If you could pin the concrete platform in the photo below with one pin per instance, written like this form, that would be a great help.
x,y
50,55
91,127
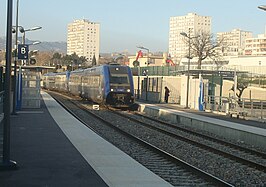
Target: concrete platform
x,y
239,130
44,155
52,148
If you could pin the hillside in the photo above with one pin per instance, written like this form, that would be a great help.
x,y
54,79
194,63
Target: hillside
x,y
60,47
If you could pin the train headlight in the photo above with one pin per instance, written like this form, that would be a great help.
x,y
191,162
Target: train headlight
x,y
128,90
112,89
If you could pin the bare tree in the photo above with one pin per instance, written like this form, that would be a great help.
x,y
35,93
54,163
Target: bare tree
x,y
219,61
43,58
241,86
205,45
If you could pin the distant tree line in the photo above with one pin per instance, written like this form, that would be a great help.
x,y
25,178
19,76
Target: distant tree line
x,y
65,60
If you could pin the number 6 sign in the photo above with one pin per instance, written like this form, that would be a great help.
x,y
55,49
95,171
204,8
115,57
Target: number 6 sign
x,y
23,51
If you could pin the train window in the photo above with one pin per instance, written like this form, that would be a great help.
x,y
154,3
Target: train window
x,y
96,81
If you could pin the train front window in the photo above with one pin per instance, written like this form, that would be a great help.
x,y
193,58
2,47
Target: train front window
x,y
119,79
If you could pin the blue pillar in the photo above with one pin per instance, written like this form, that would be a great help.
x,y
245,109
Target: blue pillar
x,y
201,95
19,90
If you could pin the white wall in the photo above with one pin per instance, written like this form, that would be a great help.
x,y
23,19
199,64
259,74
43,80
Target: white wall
x,y
249,92
178,88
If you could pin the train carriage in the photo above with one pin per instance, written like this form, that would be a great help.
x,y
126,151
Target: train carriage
x,y
92,84
61,82
119,88
106,84
75,82
109,84
49,81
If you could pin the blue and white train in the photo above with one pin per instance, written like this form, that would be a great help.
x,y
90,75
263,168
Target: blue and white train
x,y
107,84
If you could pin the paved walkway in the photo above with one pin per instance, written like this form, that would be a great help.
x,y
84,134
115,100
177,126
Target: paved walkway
x,y
44,154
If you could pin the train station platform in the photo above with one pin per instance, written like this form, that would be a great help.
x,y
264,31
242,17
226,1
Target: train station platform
x,y
241,130
52,148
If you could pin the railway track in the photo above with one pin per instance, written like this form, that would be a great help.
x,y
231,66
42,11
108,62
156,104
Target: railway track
x,y
166,165
231,156
229,150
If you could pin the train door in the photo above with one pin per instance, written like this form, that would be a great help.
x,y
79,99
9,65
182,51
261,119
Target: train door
x,y
101,87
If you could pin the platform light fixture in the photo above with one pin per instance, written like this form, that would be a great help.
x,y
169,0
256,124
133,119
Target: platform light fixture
x,y
148,52
262,7
189,58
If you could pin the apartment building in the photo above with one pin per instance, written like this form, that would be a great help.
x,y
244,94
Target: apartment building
x,y
83,38
233,42
256,46
190,24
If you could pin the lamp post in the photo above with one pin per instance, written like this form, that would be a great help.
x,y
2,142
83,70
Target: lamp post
x,y
148,52
147,78
189,57
6,162
262,7
15,63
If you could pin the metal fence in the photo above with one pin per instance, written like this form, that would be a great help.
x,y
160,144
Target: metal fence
x,y
158,70
244,107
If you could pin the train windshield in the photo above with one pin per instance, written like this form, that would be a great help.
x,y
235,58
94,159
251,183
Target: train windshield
x,y
118,75
119,79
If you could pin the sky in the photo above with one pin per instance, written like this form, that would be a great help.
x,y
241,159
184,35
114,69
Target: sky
x,y
125,24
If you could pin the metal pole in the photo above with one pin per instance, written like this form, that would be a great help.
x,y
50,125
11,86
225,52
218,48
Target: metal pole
x,y
7,163
221,90
147,78
148,57
212,92
23,62
15,65
23,37
235,84
188,68
19,91
138,81
146,89
19,84
148,51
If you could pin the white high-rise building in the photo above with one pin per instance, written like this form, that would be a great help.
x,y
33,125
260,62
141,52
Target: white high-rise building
x,y
190,24
234,41
83,38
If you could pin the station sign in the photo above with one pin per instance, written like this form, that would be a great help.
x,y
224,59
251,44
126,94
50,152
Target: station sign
x,y
23,51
